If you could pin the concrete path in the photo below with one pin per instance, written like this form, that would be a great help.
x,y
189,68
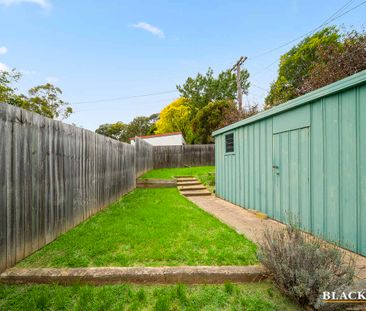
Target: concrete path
x,y
136,275
252,225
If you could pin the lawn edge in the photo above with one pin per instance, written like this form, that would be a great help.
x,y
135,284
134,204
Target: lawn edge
x,y
136,275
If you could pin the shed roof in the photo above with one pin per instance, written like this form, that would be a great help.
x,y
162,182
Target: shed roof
x,y
335,87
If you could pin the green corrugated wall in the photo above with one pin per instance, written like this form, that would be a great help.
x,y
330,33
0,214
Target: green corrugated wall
x,y
303,161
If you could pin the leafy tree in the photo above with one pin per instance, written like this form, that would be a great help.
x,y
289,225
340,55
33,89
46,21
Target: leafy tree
x,y
42,99
215,115
203,89
7,91
116,131
336,62
296,65
176,117
139,126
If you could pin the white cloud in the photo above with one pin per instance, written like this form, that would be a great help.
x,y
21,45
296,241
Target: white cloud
x,y
52,80
45,4
150,28
3,50
3,67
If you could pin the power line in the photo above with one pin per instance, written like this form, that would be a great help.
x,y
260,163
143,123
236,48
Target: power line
x,y
121,98
338,14
148,103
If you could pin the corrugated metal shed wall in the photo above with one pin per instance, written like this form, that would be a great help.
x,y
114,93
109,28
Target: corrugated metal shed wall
x,y
307,164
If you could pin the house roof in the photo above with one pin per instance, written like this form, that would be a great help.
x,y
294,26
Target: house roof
x,y
351,81
158,135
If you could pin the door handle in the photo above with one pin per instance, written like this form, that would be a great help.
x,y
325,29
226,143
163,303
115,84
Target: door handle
x,y
275,167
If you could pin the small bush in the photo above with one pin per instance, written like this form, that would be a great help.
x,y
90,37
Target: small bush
x,y
302,266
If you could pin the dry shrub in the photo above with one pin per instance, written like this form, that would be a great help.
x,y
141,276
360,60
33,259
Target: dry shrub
x,y
302,266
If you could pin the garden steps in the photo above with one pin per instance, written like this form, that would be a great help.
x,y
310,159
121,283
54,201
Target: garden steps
x,y
196,193
188,183
191,187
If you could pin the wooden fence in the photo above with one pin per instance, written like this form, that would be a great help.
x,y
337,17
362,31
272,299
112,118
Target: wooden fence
x,y
52,177
144,158
186,155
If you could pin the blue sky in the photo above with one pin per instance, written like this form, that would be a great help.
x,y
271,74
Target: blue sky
x,y
110,49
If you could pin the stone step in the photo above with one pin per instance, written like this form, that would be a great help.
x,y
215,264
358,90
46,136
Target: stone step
x,y
188,183
193,187
196,193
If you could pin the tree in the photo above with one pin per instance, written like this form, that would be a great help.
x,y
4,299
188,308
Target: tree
x,y
336,62
139,126
42,99
116,130
215,115
296,65
176,117
7,91
203,89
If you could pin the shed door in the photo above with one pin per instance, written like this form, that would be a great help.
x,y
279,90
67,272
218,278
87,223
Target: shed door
x,y
291,177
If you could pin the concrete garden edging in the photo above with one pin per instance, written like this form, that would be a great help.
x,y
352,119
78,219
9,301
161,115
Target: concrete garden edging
x,y
136,275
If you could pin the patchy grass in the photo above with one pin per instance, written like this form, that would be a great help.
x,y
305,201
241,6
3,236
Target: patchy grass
x,y
147,227
251,297
169,173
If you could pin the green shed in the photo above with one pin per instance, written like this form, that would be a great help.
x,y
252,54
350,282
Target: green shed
x,y
304,160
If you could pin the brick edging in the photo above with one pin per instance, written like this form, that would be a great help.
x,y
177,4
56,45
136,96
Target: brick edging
x,y
136,275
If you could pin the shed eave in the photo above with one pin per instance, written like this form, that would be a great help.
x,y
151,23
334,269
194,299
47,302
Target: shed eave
x,y
335,87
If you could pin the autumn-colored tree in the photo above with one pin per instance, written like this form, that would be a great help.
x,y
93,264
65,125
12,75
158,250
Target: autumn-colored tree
x,y
176,117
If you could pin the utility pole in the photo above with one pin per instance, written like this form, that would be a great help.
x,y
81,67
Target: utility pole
x,y
241,60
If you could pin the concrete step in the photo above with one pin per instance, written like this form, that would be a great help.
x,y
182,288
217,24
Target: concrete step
x,y
193,187
188,183
196,193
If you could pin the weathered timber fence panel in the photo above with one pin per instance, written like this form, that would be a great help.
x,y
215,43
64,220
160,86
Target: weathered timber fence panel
x,y
144,156
52,177
186,155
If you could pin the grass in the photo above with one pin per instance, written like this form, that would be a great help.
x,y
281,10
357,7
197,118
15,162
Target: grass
x,y
251,297
169,173
147,227
205,174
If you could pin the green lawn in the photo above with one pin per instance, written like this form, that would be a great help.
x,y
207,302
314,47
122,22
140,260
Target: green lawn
x,y
147,227
250,297
203,173
169,173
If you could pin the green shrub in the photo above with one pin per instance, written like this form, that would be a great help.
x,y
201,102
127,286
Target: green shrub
x,y
303,266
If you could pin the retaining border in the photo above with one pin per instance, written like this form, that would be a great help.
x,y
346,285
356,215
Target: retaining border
x,y
136,275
